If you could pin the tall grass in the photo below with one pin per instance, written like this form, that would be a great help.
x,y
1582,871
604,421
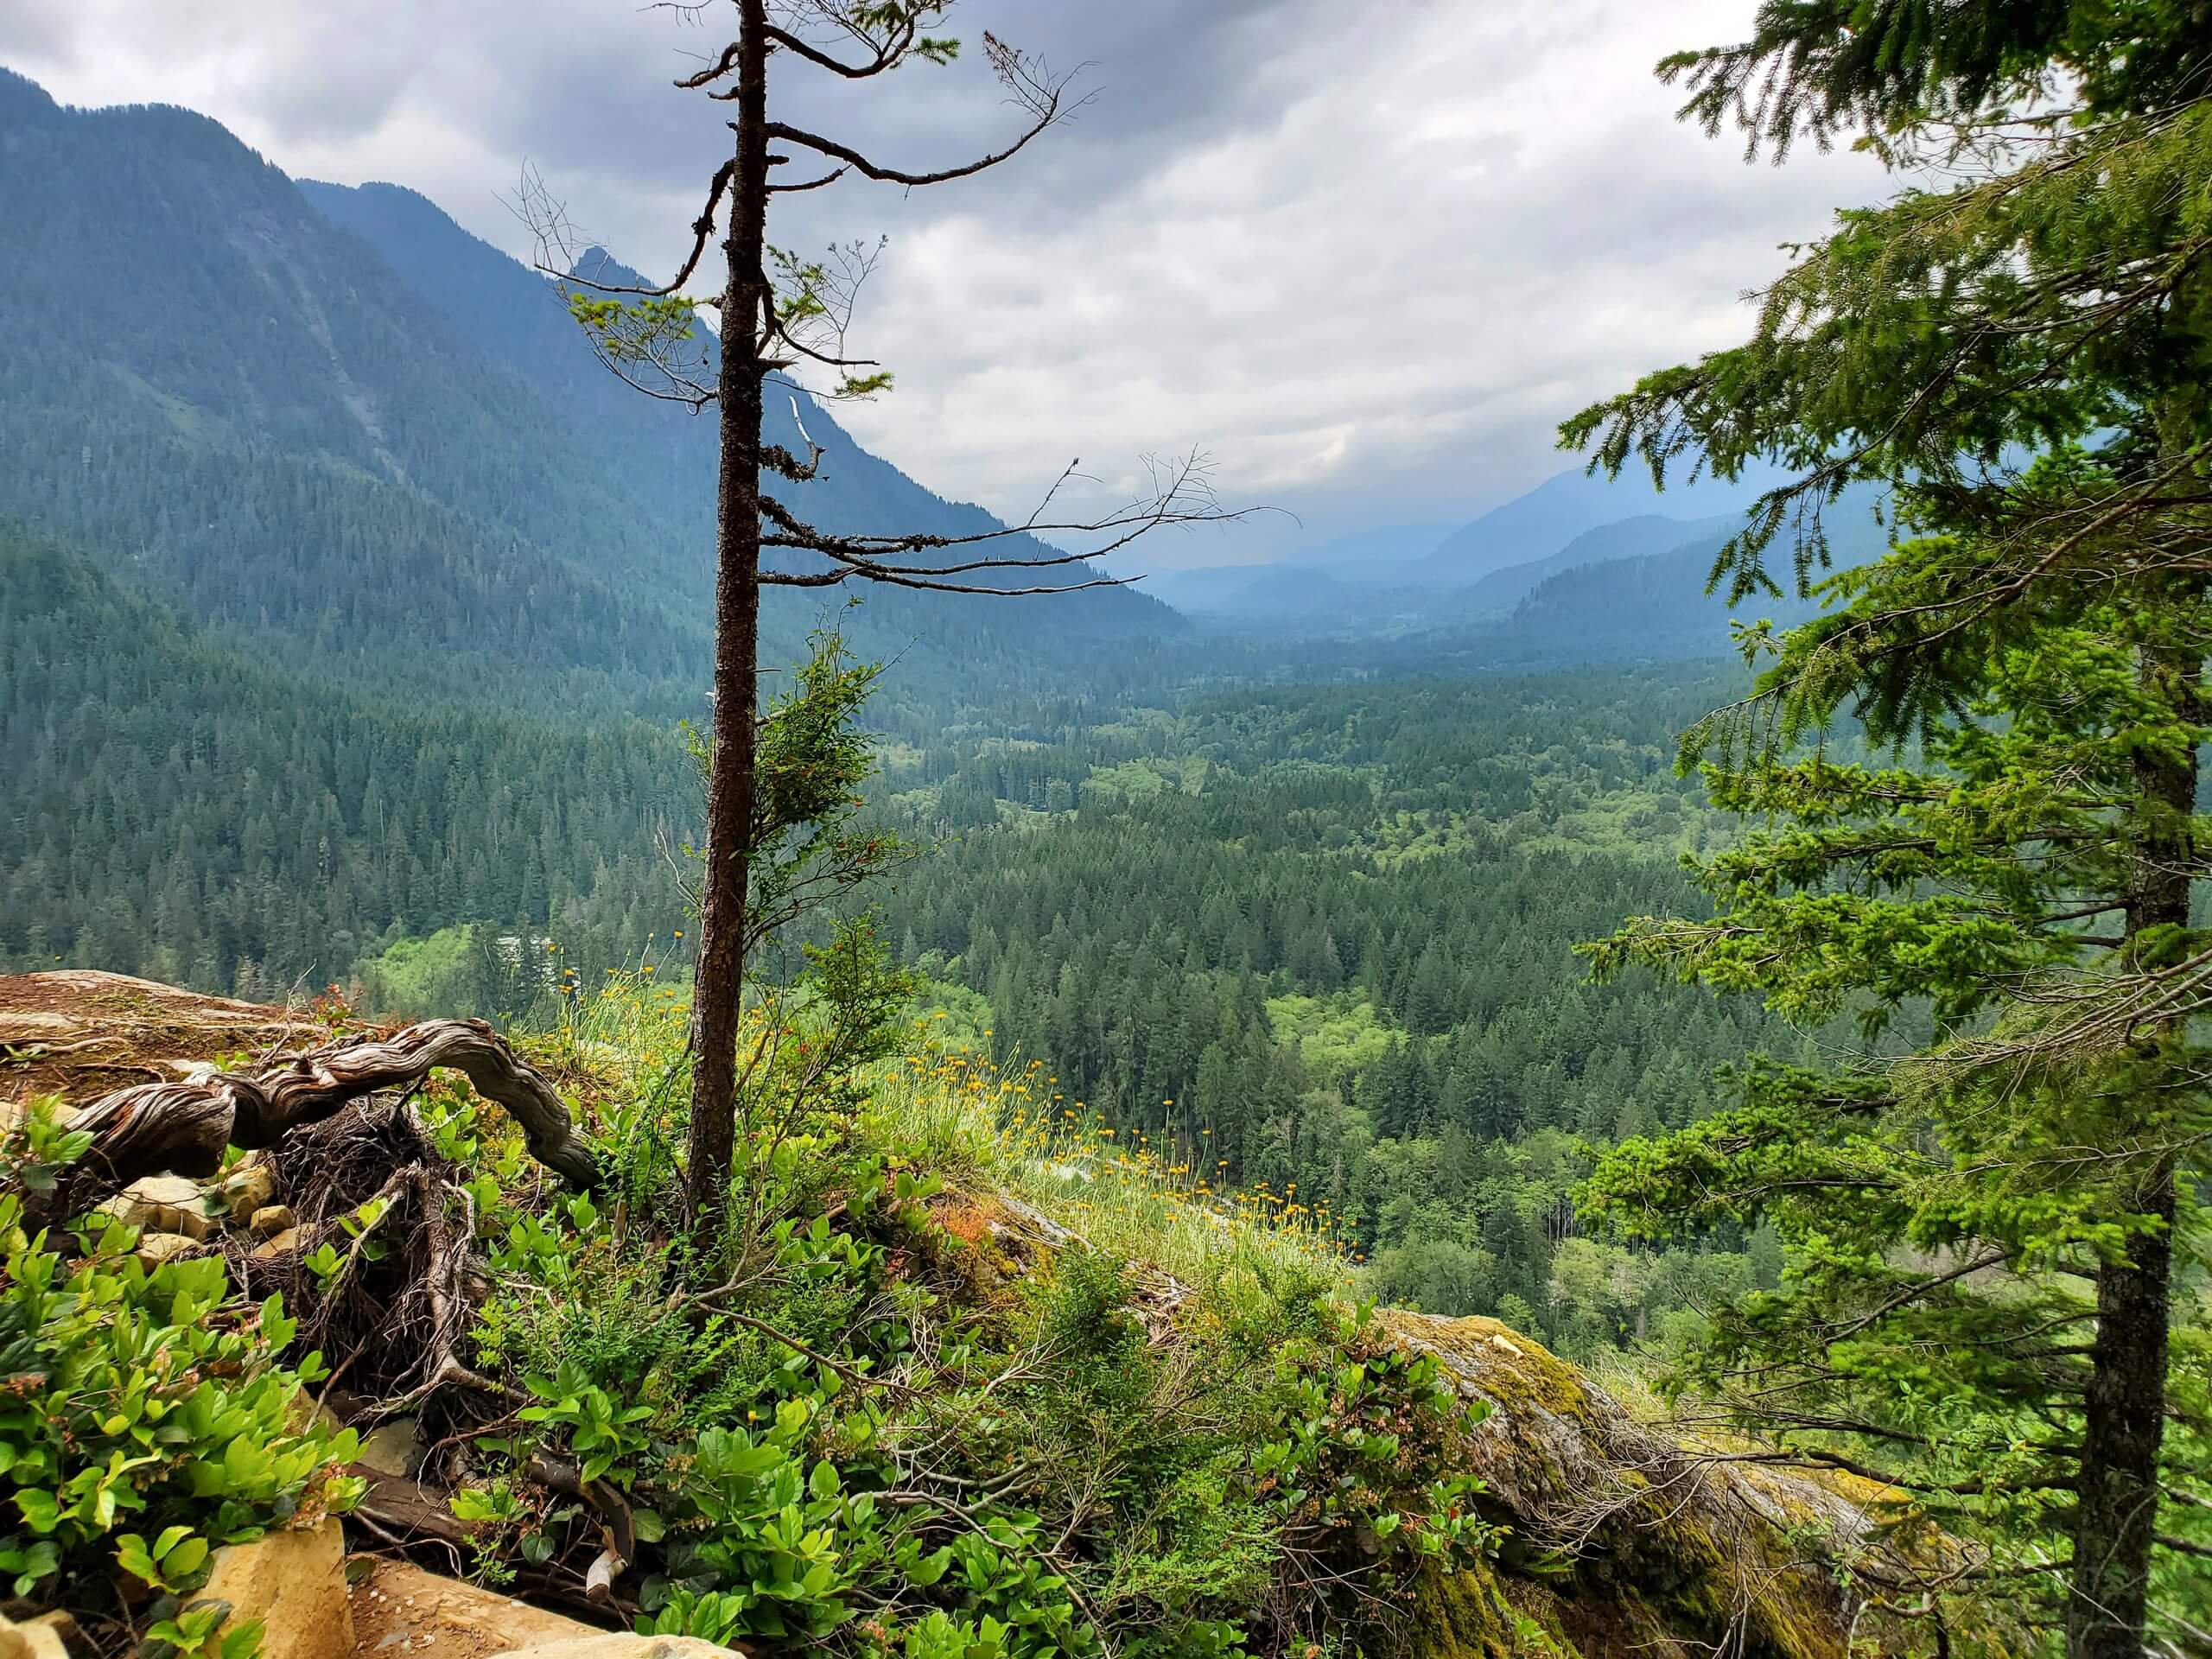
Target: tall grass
x,y
957,1111
950,1109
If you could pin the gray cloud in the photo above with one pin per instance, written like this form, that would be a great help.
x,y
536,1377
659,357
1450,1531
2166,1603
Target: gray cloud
x,y
1367,257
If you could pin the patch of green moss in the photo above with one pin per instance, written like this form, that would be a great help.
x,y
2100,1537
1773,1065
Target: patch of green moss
x,y
1513,1370
1699,1583
1473,1615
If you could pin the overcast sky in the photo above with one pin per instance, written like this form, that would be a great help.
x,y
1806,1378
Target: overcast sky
x,y
1366,256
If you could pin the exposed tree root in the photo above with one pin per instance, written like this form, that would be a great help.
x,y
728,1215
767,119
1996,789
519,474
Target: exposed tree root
x,y
393,1319
184,1127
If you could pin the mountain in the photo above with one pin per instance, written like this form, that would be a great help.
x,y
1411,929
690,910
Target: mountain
x,y
1645,533
1292,591
1654,607
1425,593
239,407
666,454
1482,569
334,428
1544,520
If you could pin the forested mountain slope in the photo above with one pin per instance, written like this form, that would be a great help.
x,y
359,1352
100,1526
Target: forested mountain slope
x,y
177,810
221,398
666,455
226,397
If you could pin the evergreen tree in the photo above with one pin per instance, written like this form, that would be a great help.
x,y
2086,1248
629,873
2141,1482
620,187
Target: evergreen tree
x,y
2014,347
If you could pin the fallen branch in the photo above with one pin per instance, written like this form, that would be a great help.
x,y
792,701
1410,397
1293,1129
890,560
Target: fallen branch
x,y
398,1508
184,1127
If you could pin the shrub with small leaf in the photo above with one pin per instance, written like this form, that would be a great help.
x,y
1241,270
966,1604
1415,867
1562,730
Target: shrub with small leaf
x,y
144,1421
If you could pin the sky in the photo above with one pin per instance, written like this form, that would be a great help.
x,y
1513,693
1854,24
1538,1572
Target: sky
x,y
1365,258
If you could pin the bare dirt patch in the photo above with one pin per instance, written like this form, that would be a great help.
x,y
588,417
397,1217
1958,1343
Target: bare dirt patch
x,y
80,1034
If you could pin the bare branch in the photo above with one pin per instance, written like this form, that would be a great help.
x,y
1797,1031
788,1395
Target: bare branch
x,y
1182,495
557,254
891,577
830,177
887,56
1029,85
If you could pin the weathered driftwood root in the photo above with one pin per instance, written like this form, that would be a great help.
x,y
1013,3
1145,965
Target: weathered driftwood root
x,y
184,1127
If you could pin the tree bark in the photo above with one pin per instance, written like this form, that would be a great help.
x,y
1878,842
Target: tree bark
x,y
157,1127
2116,1512
718,993
2124,1412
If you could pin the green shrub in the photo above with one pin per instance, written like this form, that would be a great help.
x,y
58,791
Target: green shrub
x,y
144,1419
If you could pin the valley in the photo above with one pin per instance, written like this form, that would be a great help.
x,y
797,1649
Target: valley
x,y
1583,1057
1289,897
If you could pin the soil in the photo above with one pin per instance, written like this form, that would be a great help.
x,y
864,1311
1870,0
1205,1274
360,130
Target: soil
x,y
80,1034
399,1608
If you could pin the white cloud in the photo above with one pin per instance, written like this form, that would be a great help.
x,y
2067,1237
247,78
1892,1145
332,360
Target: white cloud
x,y
1368,264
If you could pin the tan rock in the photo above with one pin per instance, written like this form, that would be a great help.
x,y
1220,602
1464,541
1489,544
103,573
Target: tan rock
x,y
165,1204
154,1249
393,1448
399,1608
290,1240
63,1624
249,1187
40,1638
272,1219
295,1582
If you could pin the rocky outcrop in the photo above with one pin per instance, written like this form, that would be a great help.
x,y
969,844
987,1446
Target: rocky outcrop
x,y
80,1034
398,1608
293,1581
1626,1539
1623,1539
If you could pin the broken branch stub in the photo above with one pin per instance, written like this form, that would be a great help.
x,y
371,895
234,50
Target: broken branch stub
x,y
184,1127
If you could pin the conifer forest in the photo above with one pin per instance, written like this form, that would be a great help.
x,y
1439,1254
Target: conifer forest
x,y
1538,984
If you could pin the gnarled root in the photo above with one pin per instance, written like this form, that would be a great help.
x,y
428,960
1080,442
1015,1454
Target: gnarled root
x,y
184,1127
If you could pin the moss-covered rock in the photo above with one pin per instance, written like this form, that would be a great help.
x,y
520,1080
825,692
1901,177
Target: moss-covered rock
x,y
1622,1542
1625,1540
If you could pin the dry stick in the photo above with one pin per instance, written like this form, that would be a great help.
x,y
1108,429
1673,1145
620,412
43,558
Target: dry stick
x,y
859,1379
186,1126
618,1528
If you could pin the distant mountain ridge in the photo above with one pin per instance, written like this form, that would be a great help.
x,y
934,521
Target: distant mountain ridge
x,y
1630,590
1638,536
1420,591
1652,605
1485,567
1539,523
